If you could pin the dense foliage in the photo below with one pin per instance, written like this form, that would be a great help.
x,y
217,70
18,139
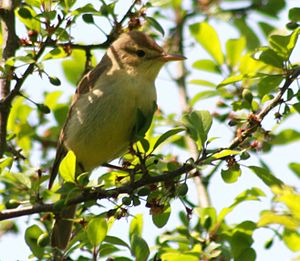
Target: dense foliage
x,y
245,80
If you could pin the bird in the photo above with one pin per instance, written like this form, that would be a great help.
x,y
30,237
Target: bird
x,y
104,116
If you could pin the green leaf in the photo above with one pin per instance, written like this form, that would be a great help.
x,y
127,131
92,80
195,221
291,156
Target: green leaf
x,y
269,56
208,217
107,249
167,135
283,45
139,248
249,194
88,8
155,24
269,218
161,219
54,80
24,12
32,234
225,153
286,136
198,124
294,14
207,65
230,80
203,83
88,18
35,3
231,174
116,241
136,226
252,40
43,108
73,67
5,163
248,254
97,230
266,28
234,49
27,15
266,176
202,95
67,167
269,84
291,239
177,256
56,53
295,167
206,35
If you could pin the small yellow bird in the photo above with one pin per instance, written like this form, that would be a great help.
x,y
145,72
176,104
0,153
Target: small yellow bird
x,y
103,117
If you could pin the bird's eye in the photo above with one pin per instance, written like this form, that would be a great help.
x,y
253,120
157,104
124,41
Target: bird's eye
x,y
140,53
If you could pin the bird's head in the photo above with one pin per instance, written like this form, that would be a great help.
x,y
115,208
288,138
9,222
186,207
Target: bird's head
x,y
138,53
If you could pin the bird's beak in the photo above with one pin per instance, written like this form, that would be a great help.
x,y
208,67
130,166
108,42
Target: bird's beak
x,y
172,57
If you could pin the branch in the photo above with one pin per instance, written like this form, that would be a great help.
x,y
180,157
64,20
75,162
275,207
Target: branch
x,y
8,96
10,45
252,125
203,196
94,194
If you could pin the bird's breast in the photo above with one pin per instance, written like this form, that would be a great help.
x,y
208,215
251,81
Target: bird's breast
x,y
102,121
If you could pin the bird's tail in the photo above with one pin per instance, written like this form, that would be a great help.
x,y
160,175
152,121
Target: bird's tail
x,y
62,229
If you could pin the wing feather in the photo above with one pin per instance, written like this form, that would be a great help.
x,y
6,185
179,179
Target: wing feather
x,y
86,85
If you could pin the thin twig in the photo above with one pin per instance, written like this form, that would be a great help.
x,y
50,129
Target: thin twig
x,y
203,196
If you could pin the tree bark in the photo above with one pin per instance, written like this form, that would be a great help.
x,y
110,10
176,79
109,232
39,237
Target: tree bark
x,y
9,47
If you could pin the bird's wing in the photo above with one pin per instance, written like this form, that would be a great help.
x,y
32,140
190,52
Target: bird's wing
x,y
86,84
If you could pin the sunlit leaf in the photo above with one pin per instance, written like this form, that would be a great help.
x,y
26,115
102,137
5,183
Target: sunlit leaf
x,y
206,35
27,15
178,256
136,226
230,80
234,49
203,83
74,66
207,65
5,163
225,153
96,230
270,218
55,53
283,45
291,239
67,167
